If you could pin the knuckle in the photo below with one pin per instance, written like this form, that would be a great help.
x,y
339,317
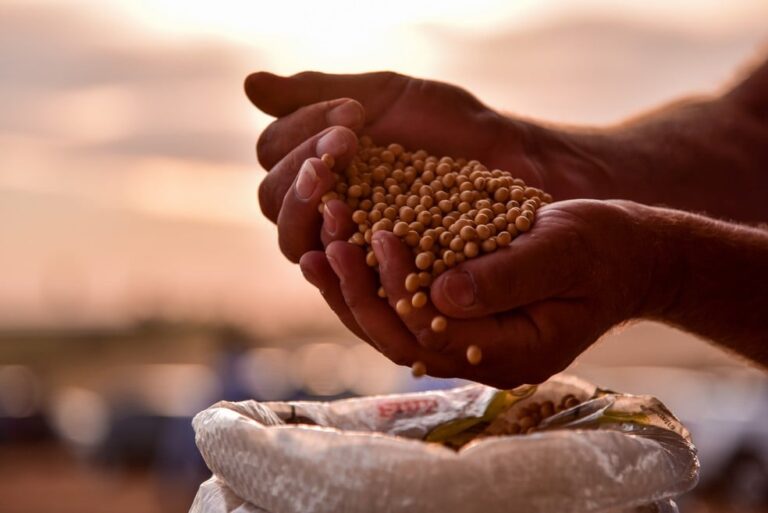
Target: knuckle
x,y
288,248
424,337
493,289
342,131
326,106
394,84
428,87
428,339
267,201
306,75
444,93
326,238
353,301
389,76
264,145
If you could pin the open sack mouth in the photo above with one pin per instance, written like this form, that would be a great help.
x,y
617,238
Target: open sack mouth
x,y
508,413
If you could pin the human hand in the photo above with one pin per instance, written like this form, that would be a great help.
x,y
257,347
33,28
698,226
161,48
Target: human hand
x,y
319,113
531,308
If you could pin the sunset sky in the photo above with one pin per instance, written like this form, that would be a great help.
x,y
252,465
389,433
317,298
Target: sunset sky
x,y
127,172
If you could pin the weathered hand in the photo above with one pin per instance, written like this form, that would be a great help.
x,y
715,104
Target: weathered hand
x,y
531,307
586,265
526,340
319,113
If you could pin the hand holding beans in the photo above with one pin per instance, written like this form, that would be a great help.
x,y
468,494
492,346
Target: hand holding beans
x,y
445,210
523,336
528,309
319,113
521,313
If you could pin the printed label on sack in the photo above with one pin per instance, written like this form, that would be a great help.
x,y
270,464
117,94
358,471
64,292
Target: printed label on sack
x,y
391,409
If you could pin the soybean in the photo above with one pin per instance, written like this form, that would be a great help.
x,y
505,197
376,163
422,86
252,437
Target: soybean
x,y
445,210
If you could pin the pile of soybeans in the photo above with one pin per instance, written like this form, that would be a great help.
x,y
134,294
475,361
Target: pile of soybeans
x,y
509,420
446,210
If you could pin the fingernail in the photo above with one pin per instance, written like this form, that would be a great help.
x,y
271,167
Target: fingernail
x,y
383,251
307,181
460,288
347,114
334,263
332,143
378,250
331,224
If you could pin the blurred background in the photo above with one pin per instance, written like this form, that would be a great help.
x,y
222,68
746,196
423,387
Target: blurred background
x,y
139,282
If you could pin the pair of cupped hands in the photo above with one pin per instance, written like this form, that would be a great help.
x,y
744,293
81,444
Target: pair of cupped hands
x,y
531,307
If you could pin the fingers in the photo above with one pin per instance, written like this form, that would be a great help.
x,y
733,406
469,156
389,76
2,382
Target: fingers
x,y
316,269
337,222
395,264
359,286
504,341
285,133
541,264
508,343
339,142
299,222
278,96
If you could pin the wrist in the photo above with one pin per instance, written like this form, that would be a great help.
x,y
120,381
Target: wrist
x,y
575,164
659,237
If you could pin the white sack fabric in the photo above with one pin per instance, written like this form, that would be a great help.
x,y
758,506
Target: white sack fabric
x,y
611,453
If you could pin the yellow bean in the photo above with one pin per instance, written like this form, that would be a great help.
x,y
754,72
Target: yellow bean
x,y
418,369
438,324
474,355
403,307
419,299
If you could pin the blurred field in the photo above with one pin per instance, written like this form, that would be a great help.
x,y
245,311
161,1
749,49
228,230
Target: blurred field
x,y
140,282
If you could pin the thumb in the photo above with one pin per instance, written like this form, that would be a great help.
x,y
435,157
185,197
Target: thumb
x,y
538,265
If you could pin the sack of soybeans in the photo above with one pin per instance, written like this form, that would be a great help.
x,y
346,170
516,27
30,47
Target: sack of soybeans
x,y
563,446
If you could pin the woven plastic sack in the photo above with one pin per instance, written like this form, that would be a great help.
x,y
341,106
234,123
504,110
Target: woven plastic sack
x,y
612,453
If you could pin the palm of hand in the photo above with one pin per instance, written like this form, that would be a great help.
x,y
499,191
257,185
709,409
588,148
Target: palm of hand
x,y
536,305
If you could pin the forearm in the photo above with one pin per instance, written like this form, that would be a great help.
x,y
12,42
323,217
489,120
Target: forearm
x,y
699,155
711,278
704,156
